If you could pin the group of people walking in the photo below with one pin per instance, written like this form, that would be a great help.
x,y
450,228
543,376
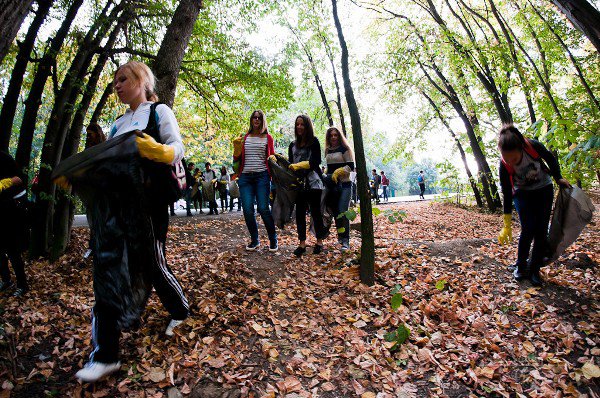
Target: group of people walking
x,y
524,178
252,153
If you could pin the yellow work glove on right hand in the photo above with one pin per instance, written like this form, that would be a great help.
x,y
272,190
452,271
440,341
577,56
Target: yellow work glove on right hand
x,y
6,183
506,233
273,158
300,166
237,147
341,172
150,149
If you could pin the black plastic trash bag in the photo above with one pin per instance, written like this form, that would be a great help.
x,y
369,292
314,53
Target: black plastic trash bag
x,y
573,210
287,185
108,179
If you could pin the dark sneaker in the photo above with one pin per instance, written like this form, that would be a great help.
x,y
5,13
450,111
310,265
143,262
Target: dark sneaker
x,y
535,278
345,245
189,214
273,246
6,285
253,246
318,249
20,292
299,251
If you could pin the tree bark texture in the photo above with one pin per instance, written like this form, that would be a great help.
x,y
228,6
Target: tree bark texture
x,y
367,249
63,210
58,124
12,14
11,99
101,103
584,16
463,156
172,49
34,98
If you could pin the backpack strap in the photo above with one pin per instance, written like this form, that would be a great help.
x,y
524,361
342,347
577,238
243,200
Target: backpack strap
x,y
152,127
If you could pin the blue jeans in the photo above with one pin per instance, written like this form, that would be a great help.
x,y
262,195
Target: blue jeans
x,y
255,187
534,209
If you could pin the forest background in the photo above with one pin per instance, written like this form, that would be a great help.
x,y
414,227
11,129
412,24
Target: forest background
x,y
433,80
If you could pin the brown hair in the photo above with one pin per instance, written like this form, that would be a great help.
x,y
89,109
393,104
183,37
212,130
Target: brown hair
x,y
510,138
263,119
309,131
98,136
343,140
141,74
223,170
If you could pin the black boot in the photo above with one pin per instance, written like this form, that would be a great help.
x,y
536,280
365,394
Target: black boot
x,y
535,276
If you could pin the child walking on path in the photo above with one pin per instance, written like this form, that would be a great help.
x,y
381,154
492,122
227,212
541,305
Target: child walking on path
x,y
526,169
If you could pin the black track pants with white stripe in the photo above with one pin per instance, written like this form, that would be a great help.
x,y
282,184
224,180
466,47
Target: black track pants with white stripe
x,y
165,284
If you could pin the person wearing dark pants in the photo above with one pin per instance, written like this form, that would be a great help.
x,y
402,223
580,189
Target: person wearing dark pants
x,y
209,175
340,163
189,186
526,169
223,184
421,182
250,155
304,154
13,225
134,85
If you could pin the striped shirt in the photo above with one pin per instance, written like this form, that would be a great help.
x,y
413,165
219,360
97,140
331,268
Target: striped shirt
x,y
255,154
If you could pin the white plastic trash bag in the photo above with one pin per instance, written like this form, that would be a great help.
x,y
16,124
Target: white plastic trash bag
x,y
234,190
573,210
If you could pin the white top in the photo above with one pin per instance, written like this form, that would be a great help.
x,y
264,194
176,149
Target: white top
x,y
138,120
255,154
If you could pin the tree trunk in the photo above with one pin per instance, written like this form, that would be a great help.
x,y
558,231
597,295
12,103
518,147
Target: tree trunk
x,y
574,62
34,99
516,63
172,49
63,210
367,249
463,156
337,87
584,16
12,14
11,99
58,124
101,103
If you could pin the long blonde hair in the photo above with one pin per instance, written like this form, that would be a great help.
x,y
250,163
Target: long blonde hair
x,y
142,75
342,139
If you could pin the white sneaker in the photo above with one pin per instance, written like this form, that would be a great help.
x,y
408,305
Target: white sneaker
x,y
172,325
93,371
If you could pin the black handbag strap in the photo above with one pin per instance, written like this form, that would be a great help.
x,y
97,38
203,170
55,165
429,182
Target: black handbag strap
x,y
152,127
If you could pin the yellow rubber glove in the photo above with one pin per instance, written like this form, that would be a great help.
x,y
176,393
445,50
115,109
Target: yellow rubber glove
x,y
341,172
300,166
6,183
150,149
273,158
62,182
237,146
506,233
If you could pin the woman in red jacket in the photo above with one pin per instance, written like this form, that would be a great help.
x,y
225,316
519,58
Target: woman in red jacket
x,y
251,153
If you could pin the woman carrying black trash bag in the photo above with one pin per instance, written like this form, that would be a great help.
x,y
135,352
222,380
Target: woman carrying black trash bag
x,y
304,154
134,85
526,172
13,225
340,163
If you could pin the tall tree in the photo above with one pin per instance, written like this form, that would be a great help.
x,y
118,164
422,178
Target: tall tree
x,y
12,14
34,98
11,99
172,50
367,247
584,16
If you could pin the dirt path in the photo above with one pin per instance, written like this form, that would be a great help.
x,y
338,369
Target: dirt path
x,y
268,325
